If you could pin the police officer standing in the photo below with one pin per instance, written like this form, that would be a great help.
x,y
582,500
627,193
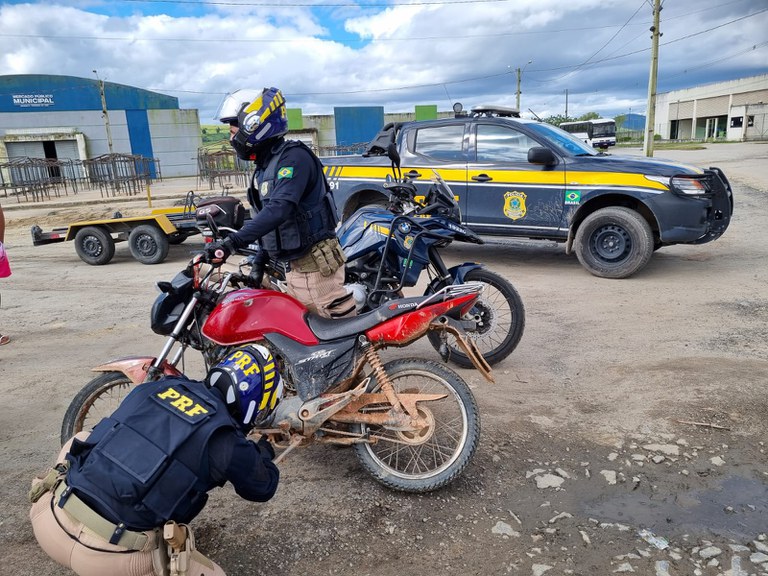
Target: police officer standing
x,y
118,500
294,211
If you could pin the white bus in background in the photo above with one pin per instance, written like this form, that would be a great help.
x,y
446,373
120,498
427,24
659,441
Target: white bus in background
x,y
598,133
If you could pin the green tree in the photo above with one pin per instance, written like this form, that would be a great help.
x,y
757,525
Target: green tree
x,y
558,119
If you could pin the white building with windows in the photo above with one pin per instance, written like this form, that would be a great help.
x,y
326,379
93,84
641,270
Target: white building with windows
x,y
733,110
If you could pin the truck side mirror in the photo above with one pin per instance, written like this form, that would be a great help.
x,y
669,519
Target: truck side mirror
x,y
541,155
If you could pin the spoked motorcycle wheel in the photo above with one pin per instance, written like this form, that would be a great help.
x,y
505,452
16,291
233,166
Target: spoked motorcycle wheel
x,y
426,459
500,320
97,399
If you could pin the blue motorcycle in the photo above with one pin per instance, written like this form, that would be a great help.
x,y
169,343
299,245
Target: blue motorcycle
x,y
388,248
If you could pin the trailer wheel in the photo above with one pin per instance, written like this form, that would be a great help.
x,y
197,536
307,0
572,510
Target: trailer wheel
x,y
94,245
148,244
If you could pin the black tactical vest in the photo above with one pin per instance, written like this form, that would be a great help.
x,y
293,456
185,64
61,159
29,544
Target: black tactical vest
x,y
316,218
148,462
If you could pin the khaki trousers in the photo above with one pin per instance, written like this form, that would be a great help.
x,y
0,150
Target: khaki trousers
x,y
324,295
73,545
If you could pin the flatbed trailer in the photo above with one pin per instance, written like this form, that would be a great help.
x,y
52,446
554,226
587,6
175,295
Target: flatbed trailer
x,y
149,237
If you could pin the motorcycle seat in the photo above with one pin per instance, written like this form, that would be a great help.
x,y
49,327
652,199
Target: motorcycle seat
x,y
336,328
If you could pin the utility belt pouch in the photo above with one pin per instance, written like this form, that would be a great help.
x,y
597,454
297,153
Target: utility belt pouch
x,y
47,484
181,549
325,257
176,538
328,255
320,256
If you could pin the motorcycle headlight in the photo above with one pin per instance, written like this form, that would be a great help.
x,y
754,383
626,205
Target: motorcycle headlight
x,y
169,305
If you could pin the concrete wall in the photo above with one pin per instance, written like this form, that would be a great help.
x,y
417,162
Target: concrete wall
x,y
87,122
176,137
174,134
706,111
748,122
325,127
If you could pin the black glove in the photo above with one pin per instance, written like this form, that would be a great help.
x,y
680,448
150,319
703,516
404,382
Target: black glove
x,y
265,447
218,252
258,262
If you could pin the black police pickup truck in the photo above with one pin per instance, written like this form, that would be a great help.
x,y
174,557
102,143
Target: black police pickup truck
x,y
521,178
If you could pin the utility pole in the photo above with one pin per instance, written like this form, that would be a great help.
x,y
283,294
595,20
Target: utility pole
x,y
519,76
650,117
566,104
104,112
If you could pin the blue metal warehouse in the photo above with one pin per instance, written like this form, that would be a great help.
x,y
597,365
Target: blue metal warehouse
x,y
71,118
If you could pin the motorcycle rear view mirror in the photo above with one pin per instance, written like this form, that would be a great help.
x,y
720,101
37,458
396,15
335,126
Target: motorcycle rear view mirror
x,y
212,225
394,156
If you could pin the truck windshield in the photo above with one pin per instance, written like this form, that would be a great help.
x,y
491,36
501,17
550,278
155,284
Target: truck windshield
x,y
562,140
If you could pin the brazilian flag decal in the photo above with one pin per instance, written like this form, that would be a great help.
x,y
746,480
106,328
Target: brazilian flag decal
x,y
572,197
285,172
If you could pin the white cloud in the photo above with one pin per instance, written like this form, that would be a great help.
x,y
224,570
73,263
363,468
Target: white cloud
x,y
394,57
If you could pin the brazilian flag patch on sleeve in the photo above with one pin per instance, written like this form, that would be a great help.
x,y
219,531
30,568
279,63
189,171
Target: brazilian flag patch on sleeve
x,y
285,172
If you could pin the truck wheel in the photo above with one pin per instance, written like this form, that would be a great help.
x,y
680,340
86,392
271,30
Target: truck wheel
x,y
94,245
148,244
614,242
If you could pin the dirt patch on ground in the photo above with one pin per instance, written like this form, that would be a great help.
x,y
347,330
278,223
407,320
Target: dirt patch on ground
x,y
626,434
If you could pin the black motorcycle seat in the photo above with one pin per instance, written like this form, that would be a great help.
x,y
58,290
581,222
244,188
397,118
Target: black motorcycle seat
x,y
336,328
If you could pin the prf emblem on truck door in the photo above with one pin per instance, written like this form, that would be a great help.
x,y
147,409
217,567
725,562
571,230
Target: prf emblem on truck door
x,y
514,205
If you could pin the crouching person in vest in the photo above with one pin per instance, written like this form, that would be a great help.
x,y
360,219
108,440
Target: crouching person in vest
x,y
119,499
294,213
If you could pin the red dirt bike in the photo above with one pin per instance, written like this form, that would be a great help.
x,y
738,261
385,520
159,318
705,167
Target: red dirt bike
x,y
413,423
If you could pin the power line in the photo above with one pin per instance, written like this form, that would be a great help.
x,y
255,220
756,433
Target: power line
x,y
362,41
664,44
604,45
288,40
711,62
312,4
443,83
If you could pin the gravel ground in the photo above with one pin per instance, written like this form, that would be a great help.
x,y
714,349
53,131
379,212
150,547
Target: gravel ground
x,y
626,434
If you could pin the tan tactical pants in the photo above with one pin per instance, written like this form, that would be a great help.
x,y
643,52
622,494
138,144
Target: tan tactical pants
x,y
73,545
324,295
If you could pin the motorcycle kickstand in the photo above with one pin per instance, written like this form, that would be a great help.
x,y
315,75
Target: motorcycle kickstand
x,y
295,442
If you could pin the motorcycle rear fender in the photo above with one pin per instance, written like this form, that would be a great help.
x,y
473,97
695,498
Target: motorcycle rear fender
x,y
136,367
459,272
404,329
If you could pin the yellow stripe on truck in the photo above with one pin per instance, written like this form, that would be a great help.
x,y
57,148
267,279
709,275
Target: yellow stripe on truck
x,y
510,177
381,172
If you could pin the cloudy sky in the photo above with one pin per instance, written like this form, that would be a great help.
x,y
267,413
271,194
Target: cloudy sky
x,y
391,53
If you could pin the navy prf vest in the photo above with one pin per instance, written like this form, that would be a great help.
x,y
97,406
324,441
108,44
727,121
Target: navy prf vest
x,y
316,218
148,462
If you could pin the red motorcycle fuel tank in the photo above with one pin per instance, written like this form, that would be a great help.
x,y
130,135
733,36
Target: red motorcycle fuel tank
x,y
247,315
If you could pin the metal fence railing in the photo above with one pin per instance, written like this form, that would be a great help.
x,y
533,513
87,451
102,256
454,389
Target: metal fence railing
x,y
221,168
115,174
39,178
